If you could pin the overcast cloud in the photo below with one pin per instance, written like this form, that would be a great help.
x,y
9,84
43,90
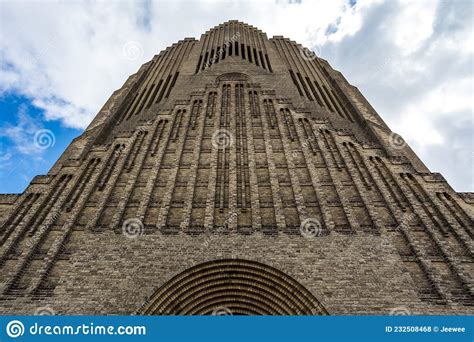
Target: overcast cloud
x,y
412,60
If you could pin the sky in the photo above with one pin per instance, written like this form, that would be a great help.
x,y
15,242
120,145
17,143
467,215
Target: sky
x,y
61,61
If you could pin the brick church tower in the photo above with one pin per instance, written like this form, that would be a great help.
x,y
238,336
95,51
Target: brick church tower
x,y
237,175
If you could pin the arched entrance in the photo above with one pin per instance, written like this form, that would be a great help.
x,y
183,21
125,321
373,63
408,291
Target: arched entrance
x,y
232,286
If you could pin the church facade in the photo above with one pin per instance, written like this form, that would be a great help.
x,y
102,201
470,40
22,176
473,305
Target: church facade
x,y
237,174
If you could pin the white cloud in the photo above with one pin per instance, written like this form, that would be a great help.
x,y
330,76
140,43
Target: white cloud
x,y
414,24
414,64
69,57
67,112
418,118
411,59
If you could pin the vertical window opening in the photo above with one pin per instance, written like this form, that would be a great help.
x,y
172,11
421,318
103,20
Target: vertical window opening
x,y
218,53
255,57
249,54
261,59
198,65
205,61
295,82
268,63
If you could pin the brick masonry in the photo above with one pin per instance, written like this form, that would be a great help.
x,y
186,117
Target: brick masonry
x,y
243,148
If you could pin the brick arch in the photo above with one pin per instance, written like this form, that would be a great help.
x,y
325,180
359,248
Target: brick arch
x,y
241,287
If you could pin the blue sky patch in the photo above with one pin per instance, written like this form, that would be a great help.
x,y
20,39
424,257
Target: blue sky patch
x,y
29,145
